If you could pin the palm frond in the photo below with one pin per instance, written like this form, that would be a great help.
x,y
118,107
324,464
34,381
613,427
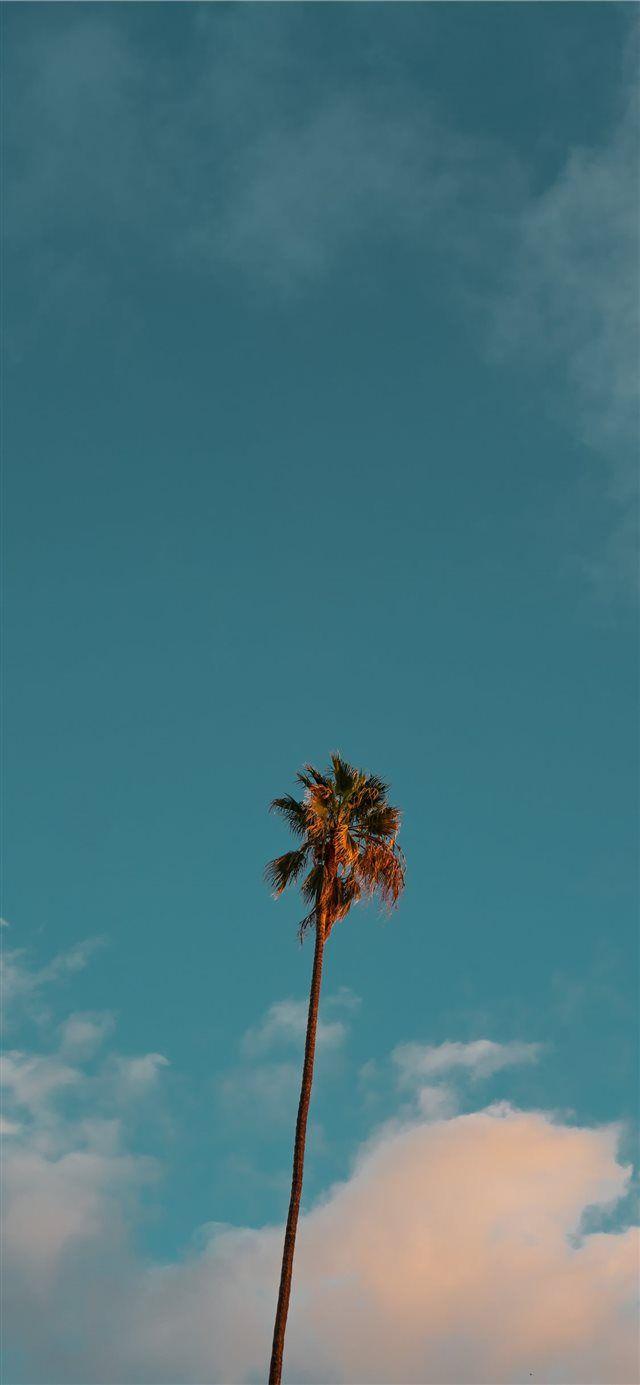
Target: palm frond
x,y
293,812
392,882
307,922
311,887
380,821
318,811
310,776
346,848
381,870
371,793
345,777
347,892
284,870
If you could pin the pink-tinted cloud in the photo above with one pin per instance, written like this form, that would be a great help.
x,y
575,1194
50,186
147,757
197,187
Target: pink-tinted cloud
x,y
449,1255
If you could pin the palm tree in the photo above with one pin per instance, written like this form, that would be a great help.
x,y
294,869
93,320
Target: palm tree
x,y
348,850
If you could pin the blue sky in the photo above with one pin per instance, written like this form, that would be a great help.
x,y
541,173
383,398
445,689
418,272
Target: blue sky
x,y
321,328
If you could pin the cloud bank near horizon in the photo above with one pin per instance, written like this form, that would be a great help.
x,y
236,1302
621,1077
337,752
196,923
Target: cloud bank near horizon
x,y
454,1251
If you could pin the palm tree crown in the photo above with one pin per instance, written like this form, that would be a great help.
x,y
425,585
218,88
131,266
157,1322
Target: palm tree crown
x,y
348,848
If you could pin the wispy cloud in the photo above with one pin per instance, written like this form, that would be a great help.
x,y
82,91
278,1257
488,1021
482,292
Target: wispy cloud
x,y
572,298
437,1102
22,983
285,1024
480,1058
267,1076
59,1102
571,310
139,1074
211,165
232,173
82,1033
32,1081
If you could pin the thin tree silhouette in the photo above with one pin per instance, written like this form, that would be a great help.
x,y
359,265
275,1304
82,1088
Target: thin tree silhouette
x,y
349,851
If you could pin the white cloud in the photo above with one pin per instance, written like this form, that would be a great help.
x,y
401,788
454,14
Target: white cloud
x,y
479,1059
266,1080
53,1204
452,1252
285,1023
8,1127
574,288
437,1102
83,1033
33,1080
74,959
136,1075
571,309
449,1255
21,983
67,1175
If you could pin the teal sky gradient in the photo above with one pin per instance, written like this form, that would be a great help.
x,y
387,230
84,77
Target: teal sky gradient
x,y
305,450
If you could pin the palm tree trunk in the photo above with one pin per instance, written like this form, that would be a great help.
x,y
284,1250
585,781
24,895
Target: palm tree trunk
x,y
275,1370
